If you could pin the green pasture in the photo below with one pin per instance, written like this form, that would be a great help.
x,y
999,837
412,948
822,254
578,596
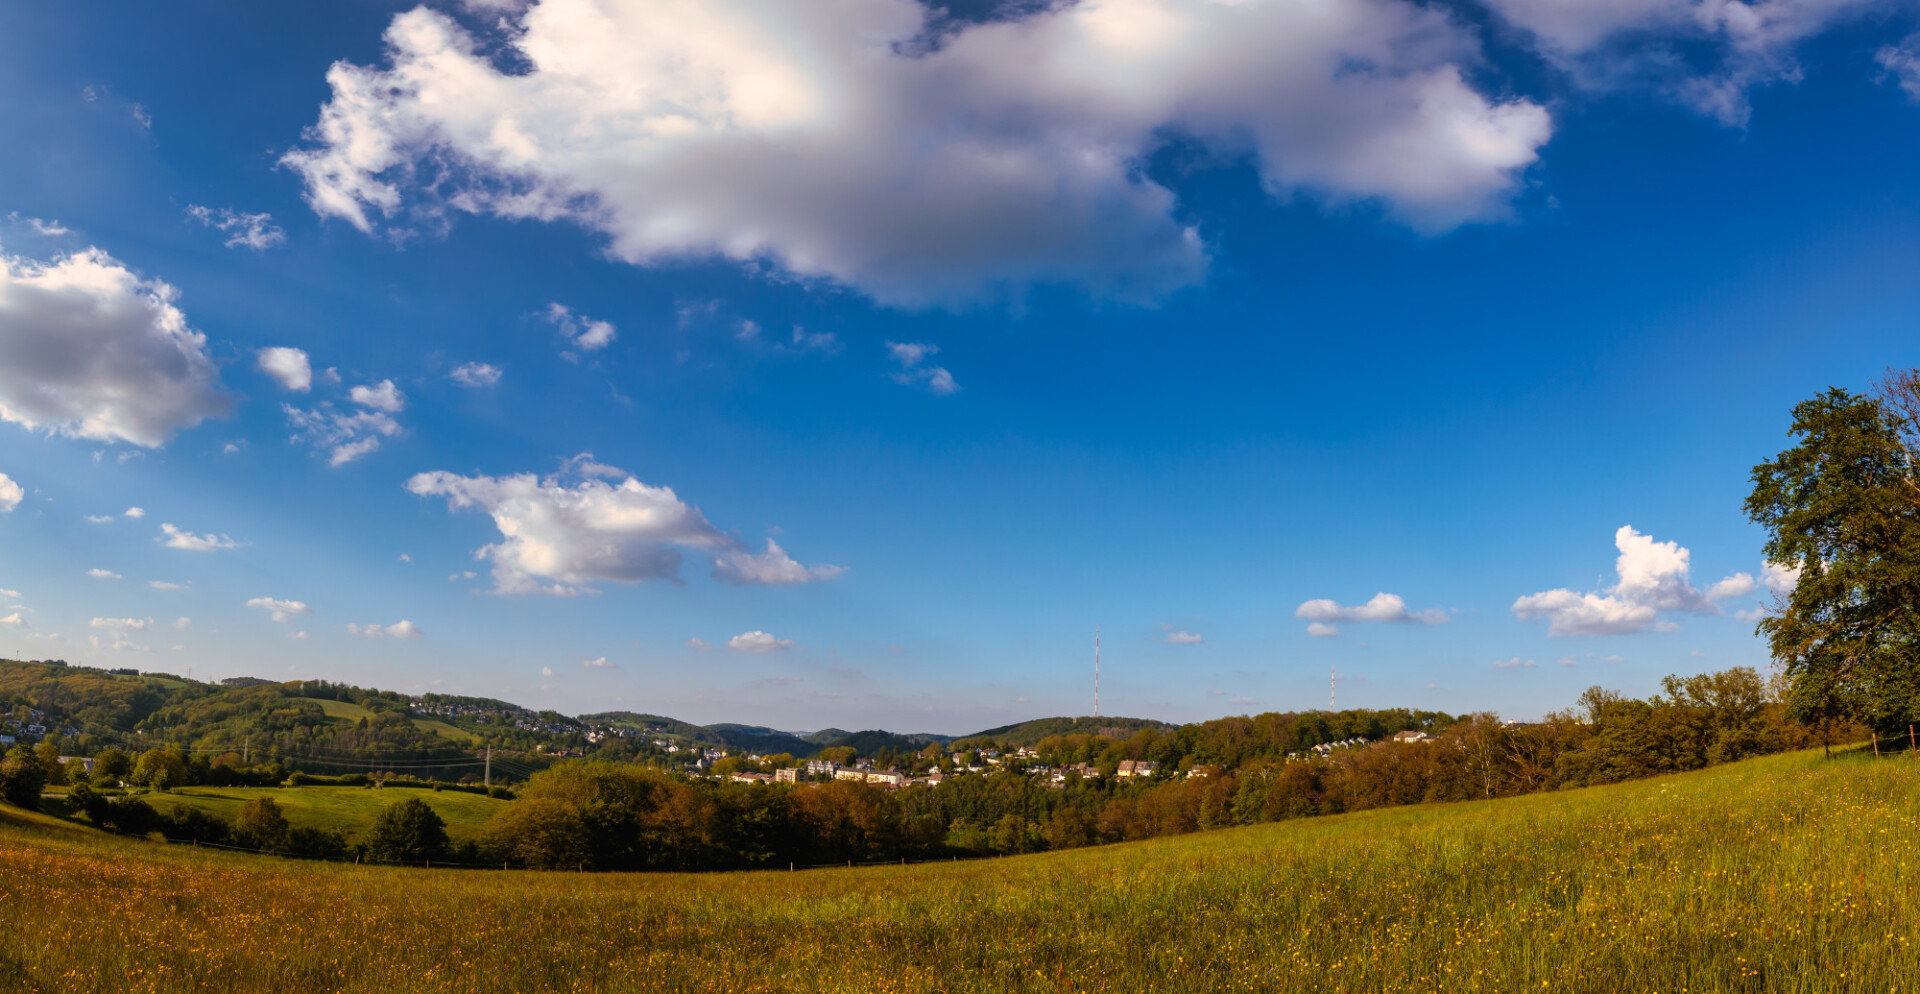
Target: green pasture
x,y
347,809
354,712
1783,874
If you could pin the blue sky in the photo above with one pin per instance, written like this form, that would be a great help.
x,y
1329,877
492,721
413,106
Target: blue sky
x,y
1178,318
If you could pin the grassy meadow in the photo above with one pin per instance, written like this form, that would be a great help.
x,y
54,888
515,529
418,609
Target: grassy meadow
x,y
1787,873
351,810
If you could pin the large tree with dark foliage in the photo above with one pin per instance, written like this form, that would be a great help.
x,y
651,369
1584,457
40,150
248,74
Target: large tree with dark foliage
x,y
1842,506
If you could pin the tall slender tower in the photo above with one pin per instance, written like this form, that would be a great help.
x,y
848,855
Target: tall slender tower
x,y
1333,676
1096,671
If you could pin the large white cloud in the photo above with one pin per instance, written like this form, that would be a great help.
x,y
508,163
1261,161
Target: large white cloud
x,y
1732,45
90,350
11,494
836,140
758,641
575,527
1653,578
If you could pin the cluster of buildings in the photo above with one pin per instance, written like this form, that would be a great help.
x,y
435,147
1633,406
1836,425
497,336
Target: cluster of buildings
x,y
28,723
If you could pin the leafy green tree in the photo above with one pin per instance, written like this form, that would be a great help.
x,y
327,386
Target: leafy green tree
x,y
261,825
110,766
48,752
1842,508
408,832
161,769
22,778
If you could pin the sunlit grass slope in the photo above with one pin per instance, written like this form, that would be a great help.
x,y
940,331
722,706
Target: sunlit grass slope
x,y
347,809
354,712
1780,874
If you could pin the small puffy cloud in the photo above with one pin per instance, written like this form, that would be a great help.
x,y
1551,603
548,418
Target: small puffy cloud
x,y
297,636
575,527
345,437
699,644
1736,585
99,519
11,494
1569,662
546,671
1184,638
770,568
164,585
182,624
1384,607
1779,579
381,396
475,374
14,621
175,538
598,664
581,332
135,512
1653,578
399,630
90,350
281,611
881,145
11,594
254,231
913,371
122,626
758,641
404,629
1322,630
288,366
103,574
1516,663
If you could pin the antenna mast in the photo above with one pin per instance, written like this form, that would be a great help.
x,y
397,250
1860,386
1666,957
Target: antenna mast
x,y
1332,678
1096,671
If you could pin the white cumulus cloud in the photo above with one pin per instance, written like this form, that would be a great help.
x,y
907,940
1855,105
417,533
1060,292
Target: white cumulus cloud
x,y
280,610
175,538
15,621
770,568
1653,578
344,437
11,494
598,664
135,512
103,574
1516,663
581,332
381,396
838,141
289,367
1322,630
575,527
90,350
1184,638
399,630
475,374
1384,607
758,641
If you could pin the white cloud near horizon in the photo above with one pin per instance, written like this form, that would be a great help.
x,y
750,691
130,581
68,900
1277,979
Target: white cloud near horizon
x,y
281,611
103,574
288,366
90,350
758,641
837,141
1653,577
402,629
573,527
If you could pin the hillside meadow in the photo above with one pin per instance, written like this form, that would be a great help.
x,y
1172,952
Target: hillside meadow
x,y
1789,873
350,810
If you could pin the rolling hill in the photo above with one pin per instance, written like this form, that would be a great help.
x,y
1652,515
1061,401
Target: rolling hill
x,y
1786,873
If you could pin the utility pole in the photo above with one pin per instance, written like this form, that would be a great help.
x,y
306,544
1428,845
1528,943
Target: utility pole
x,y
489,780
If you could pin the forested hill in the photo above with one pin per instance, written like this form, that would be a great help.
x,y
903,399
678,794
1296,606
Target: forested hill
x,y
1029,733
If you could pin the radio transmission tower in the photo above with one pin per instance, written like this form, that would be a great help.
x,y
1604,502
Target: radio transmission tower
x,y
1096,671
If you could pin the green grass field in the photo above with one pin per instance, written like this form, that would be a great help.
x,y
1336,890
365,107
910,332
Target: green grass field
x,y
354,712
348,809
1786,874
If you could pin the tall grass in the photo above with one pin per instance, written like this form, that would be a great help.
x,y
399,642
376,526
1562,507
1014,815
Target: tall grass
x,y
1780,874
